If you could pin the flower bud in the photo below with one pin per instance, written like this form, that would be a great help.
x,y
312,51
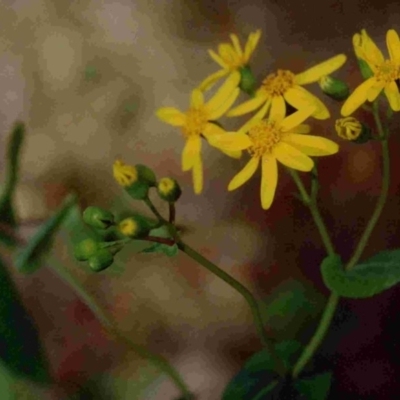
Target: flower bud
x,y
169,190
134,227
85,249
130,178
101,260
247,80
334,88
97,217
146,174
350,128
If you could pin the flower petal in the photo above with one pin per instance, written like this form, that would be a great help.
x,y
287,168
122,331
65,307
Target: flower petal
x,y
269,180
197,175
393,96
210,80
311,145
313,74
227,53
171,116
393,44
217,59
245,174
251,44
236,44
248,106
303,128
296,118
292,158
256,118
196,98
224,92
358,97
365,48
373,93
230,141
191,152
278,109
219,112
299,98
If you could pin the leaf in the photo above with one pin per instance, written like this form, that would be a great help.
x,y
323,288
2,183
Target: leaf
x,y
372,277
20,348
314,388
161,232
30,258
257,377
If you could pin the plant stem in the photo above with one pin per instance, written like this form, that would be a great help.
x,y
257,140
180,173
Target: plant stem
x,y
153,209
279,365
333,300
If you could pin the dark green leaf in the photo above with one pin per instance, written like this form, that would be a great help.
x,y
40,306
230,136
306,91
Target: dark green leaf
x,y
257,377
30,258
20,348
314,388
372,277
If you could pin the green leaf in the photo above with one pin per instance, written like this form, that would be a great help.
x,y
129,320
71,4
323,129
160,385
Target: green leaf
x,y
257,377
20,348
314,388
30,258
161,232
372,277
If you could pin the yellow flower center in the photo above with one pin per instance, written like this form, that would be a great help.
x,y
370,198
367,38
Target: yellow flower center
x,y
265,136
124,174
128,227
166,185
196,120
387,72
278,83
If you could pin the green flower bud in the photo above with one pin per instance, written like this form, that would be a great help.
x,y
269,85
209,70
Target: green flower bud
x,y
133,181
334,88
169,190
134,227
247,80
101,260
146,174
85,249
366,71
97,217
350,128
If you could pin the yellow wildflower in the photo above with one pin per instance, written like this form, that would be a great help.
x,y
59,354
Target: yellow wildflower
x,y
284,85
124,174
271,140
196,123
231,57
385,72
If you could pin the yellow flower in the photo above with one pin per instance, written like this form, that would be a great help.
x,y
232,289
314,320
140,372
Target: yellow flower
x,y
385,72
231,57
284,85
196,123
124,174
271,140
348,128
129,227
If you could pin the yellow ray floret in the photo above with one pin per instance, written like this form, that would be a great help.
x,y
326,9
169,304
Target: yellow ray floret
x,y
231,57
386,72
270,141
196,123
284,86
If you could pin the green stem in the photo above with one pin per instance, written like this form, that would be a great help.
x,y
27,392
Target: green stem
x,y
333,300
156,359
154,210
279,365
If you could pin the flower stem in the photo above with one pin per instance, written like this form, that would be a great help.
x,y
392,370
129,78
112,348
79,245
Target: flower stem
x,y
279,365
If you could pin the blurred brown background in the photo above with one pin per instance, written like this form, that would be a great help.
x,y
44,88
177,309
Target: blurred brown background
x,y
87,77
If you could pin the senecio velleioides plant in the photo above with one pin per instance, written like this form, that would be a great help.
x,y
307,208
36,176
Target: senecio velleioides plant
x,y
276,134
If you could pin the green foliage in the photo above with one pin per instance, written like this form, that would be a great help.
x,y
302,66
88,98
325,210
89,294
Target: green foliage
x,y
20,348
161,232
98,217
30,258
372,277
314,388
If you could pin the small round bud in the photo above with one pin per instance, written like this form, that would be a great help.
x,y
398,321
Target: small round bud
x,y
146,174
247,80
134,227
130,178
350,128
169,190
101,260
97,217
85,249
334,88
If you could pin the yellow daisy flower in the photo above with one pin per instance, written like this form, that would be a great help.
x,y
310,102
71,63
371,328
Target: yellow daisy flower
x,y
284,85
231,57
385,72
271,140
196,123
